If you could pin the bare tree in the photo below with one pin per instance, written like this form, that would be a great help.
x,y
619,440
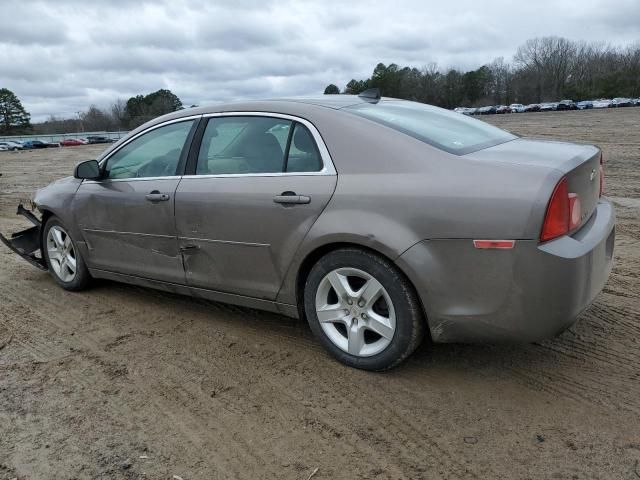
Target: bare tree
x,y
119,114
501,78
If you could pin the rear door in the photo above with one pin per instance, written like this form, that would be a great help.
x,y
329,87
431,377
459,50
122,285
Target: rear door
x,y
127,218
257,185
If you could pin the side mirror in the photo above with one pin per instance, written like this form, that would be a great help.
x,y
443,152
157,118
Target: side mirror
x,y
87,170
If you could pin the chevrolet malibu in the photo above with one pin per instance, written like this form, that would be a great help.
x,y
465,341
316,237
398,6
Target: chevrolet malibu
x,y
379,221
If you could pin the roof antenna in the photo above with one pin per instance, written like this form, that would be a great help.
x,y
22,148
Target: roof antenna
x,y
371,95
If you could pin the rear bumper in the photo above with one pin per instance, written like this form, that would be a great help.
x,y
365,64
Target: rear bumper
x,y
528,293
26,243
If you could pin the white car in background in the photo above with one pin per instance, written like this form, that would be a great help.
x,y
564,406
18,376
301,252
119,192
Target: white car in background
x,y
465,110
622,102
9,145
602,103
516,108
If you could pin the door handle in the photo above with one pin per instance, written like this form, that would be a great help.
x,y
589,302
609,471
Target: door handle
x,y
291,198
156,196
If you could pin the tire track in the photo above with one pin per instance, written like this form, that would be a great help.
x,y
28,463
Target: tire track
x,y
62,322
239,398
39,347
239,403
190,395
188,425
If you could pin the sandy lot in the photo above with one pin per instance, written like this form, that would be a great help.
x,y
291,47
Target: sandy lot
x,y
124,382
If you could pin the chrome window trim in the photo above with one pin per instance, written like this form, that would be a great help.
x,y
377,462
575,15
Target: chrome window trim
x,y
274,174
328,167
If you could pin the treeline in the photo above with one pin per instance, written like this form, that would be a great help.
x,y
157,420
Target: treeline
x,y
543,69
93,119
120,115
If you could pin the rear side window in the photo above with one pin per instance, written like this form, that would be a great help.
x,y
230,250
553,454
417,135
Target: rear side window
x,y
448,131
256,144
303,151
235,145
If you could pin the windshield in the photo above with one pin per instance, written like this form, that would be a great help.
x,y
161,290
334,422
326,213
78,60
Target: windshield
x,y
448,131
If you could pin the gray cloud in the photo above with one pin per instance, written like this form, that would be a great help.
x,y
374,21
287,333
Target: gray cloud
x,y
21,27
60,57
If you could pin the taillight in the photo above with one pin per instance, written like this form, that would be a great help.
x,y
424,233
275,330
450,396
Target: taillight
x,y
575,210
556,220
563,212
601,175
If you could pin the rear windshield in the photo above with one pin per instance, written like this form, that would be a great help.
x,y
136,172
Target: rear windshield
x,y
448,131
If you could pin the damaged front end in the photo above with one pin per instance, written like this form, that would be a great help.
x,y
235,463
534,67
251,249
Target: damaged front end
x,y
27,243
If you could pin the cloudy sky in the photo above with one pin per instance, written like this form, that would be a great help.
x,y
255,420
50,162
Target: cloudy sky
x,y
61,56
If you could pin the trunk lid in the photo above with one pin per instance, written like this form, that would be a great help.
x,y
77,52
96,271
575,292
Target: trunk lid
x,y
580,164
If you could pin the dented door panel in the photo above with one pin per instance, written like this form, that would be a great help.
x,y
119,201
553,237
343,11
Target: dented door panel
x,y
127,232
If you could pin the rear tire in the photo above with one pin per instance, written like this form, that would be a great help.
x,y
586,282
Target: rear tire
x,y
363,309
64,261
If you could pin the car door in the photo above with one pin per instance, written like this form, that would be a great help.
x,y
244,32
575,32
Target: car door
x,y
127,217
255,188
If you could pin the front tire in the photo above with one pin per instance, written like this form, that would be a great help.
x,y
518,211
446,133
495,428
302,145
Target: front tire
x,y
363,309
64,261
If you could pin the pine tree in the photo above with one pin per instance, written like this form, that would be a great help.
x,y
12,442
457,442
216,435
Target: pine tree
x,y
14,119
143,108
331,90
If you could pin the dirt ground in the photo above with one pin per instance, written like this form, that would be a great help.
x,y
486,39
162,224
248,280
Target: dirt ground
x,y
125,382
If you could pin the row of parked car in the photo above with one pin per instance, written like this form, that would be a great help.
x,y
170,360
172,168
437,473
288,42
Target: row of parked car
x,y
15,145
550,106
90,140
26,145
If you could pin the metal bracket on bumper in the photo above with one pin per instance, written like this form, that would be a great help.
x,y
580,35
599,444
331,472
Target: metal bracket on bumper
x,y
26,243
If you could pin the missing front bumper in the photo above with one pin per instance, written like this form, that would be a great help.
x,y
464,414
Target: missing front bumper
x,y
26,243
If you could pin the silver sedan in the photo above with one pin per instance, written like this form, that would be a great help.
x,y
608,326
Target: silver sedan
x,y
378,220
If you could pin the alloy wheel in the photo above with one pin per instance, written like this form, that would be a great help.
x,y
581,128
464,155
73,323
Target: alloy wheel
x,y
355,312
61,253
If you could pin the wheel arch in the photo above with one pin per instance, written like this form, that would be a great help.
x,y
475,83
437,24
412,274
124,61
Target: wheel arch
x,y
46,214
316,254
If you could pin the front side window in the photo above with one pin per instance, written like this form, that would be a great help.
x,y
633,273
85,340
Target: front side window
x,y
256,144
154,154
448,131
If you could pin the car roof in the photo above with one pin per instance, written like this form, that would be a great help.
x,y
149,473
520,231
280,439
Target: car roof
x,y
305,107
329,101
289,105
282,105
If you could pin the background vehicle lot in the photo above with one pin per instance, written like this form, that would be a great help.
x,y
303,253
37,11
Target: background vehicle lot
x,y
93,381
